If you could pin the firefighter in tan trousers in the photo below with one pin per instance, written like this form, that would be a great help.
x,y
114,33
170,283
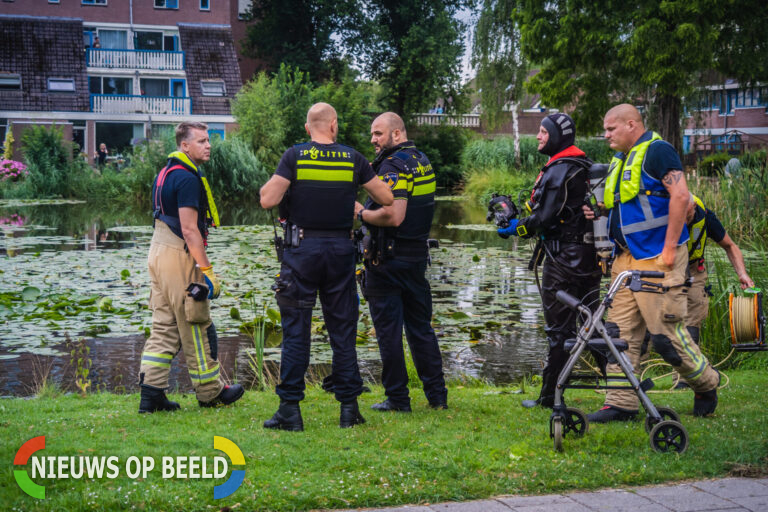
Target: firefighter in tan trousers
x,y
183,210
647,196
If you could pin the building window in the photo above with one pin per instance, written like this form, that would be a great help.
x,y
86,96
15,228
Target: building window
x,y
61,84
205,5
166,4
212,87
94,2
112,85
53,1
10,81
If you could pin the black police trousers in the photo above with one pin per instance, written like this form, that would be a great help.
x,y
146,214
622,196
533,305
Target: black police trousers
x,y
327,266
571,267
398,293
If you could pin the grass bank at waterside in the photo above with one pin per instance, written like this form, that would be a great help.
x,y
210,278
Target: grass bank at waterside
x,y
486,444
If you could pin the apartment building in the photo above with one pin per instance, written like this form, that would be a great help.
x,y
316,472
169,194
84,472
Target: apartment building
x,y
118,71
730,117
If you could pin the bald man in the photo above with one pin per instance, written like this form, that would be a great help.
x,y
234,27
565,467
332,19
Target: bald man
x,y
315,185
394,281
647,197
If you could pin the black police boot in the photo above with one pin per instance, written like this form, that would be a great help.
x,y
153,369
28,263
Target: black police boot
x,y
287,417
350,415
228,395
543,401
705,403
388,405
439,404
610,413
154,399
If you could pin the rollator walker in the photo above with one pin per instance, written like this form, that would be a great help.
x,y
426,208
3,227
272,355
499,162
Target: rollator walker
x,y
667,434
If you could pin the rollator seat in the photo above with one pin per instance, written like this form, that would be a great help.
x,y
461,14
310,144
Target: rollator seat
x,y
598,344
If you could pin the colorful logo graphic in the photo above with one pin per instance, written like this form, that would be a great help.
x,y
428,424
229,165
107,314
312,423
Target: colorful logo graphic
x,y
238,475
21,475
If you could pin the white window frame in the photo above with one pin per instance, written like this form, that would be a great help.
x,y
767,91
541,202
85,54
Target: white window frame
x,y
10,79
213,93
165,4
61,81
53,1
93,2
205,8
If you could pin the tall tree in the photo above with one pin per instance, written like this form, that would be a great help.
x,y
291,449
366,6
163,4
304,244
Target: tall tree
x,y
500,66
413,47
298,33
595,53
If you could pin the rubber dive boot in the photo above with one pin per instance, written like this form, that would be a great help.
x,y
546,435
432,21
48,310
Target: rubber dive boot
x,y
350,415
543,401
229,395
154,399
287,417
388,405
610,413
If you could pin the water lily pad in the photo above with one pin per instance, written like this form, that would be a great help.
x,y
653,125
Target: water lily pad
x,y
30,293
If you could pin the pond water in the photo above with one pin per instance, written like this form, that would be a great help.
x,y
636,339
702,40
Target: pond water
x,y
74,275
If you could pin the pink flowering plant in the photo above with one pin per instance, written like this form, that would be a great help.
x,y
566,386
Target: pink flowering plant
x,y
11,170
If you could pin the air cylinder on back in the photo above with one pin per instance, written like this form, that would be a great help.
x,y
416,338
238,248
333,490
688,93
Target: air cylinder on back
x,y
597,175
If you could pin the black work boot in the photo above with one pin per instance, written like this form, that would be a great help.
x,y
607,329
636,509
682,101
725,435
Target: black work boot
x,y
610,413
228,395
154,399
350,415
388,405
287,417
705,403
543,401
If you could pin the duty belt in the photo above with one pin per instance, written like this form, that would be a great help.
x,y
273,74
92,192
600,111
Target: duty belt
x,y
325,233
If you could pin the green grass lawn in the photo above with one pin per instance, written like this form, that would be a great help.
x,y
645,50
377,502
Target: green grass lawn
x,y
486,444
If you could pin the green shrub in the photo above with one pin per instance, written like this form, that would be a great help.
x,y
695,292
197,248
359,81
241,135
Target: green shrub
x,y
354,102
754,159
52,172
443,145
596,149
233,171
713,165
479,185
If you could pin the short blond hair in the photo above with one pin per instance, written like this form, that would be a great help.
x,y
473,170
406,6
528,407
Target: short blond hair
x,y
184,130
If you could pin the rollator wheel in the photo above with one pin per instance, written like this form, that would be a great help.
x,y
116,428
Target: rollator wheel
x,y
666,413
576,423
557,433
669,436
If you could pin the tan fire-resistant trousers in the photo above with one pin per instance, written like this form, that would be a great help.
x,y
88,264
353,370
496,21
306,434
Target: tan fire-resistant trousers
x,y
698,298
177,320
664,316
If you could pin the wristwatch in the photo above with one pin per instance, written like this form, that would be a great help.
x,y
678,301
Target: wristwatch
x,y
360,215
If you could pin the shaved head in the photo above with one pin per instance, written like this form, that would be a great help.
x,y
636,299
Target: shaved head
x,y
625,112
623,126
320,113
391,121
387,130
322,123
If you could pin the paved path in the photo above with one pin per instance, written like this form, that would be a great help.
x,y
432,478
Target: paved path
x,y
723,495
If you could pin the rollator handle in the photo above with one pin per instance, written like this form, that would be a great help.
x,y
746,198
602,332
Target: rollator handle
x,y
651,274
568,299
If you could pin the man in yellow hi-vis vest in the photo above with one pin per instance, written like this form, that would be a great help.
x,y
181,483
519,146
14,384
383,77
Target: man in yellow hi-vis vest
x,y
647,196
703,225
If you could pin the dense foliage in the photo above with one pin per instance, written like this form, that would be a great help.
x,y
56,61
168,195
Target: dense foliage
x,y
444,146
596,54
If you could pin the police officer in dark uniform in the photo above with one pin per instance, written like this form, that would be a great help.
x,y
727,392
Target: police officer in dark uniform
x,y
394,282
315,185
558,221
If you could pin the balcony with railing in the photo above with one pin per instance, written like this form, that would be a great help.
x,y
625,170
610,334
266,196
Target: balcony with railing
x,y
465,120
134,59
125,104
